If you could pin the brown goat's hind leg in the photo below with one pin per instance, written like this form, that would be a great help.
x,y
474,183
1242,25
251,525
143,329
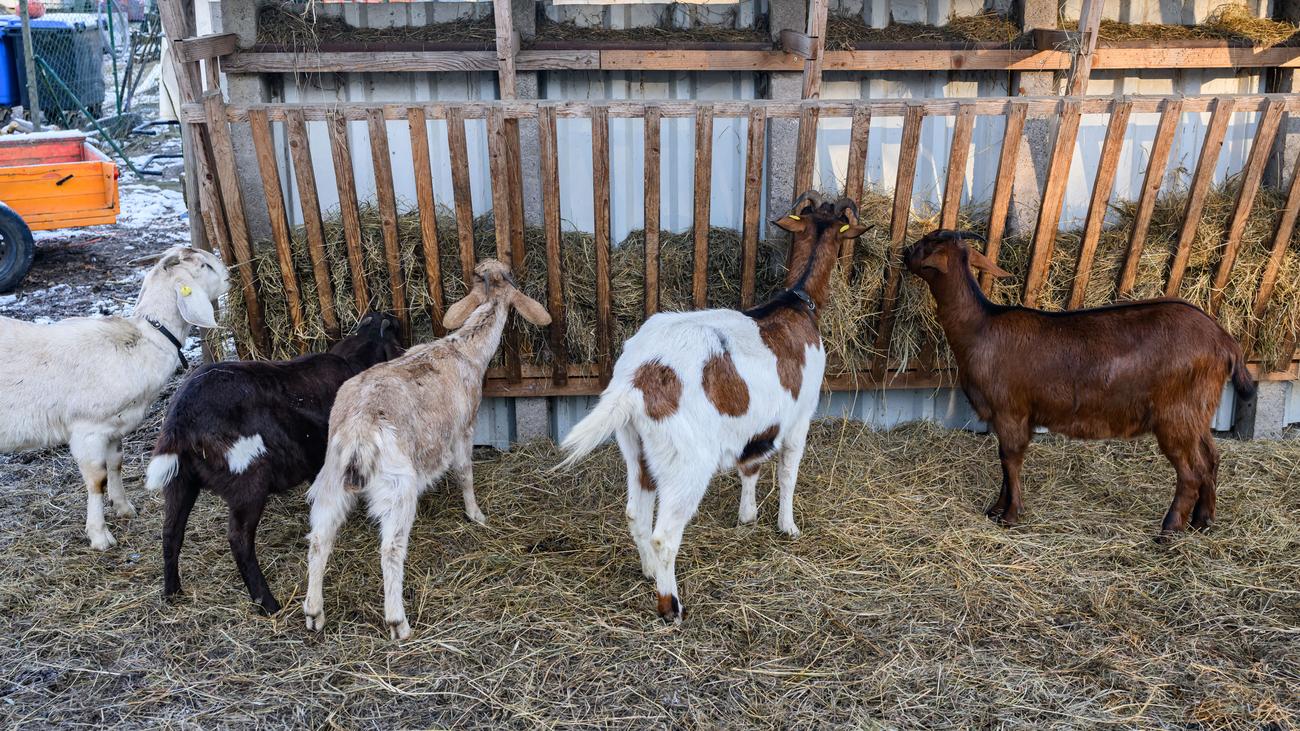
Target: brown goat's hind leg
x,y
1203,513
1185,455
1013,438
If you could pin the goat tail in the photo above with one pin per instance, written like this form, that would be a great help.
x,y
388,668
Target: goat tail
x,y
614,410
350,459
1242,383
165,463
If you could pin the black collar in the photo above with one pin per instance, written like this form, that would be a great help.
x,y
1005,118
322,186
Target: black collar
x,y
168,334
807,300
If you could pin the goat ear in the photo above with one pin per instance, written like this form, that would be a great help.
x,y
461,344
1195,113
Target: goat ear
x,y
852,231
194,306
985,264
937,260
792,222
530,309
458,313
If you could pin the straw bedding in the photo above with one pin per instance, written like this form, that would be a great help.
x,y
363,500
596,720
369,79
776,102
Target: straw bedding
x,y
900,606
843,32
301,27
1230,22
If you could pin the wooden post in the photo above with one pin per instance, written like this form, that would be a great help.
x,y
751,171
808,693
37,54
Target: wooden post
x,y
855,175
1049,214
264,146
702,193
386,199
812,68
309,200
423,168
652,134
957,155
757,135
600,214
507,46
546,133
908,150
177,19
345,182
498,151
1001,203
805,150
1089,24
461,193
1156,165
1281,240
1205,164
1102,186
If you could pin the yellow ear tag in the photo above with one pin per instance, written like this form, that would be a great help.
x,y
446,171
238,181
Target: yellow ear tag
x,y
793,217
844,228
186,291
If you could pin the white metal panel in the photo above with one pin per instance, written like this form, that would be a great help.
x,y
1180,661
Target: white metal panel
x,y
495,426
1291,413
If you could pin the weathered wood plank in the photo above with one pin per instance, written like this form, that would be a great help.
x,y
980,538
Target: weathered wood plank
x,y
386,199
805,156
200,48
651,188
1001,201
309,201
1205,165
855,174
702,193
600,214
812,67
345,181
908,150
549,164
756,137
507,44
958,153
1049,212
1102,186
499,164
1155,175
264,147
1251,175
423,166
461,192
1281,240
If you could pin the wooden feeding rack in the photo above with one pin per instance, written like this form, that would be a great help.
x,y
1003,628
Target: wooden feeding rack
x,y
519,376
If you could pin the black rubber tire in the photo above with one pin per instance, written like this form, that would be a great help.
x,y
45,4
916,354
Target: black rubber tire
x,y
17,248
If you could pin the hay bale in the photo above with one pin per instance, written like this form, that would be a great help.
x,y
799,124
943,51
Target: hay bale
x,y
1229,22
299,26
844,32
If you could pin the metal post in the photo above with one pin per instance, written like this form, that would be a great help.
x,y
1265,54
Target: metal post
x,y
33,95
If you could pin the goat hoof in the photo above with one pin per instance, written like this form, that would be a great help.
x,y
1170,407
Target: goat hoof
x,y
399,630
102,541
126,510
671,609
1202,523
748,516
268,605
477,516
791,530
315,621
1165,537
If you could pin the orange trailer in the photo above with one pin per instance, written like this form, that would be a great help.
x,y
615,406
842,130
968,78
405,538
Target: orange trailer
x,y
48,181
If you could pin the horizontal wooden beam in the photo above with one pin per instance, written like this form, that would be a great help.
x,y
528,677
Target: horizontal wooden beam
x,y
200,48
983,106
798,44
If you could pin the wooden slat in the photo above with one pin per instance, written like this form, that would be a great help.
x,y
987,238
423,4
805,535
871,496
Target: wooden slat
x,y
806,150
1049,212
507,44
387,201
1250,179
1155,174
702,193
855,173
264,147
957,156
228,180
260,62
461,193
1089,24
1205,165
549,164
651,188
1103,185
754,150
499,164
423,165
600,214
204,47
908,150
1281,240
812,68
1001,202
309,202
345,181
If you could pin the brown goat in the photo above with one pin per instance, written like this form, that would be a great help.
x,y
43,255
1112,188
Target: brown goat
x,y
1116,371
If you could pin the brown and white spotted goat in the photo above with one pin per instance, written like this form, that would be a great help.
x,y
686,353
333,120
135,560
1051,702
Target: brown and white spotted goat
x,y
698,392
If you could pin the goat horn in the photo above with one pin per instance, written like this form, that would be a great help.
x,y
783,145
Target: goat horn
x,y
844,204
971,235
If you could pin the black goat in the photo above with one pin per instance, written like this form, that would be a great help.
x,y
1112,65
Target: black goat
x,y
246,429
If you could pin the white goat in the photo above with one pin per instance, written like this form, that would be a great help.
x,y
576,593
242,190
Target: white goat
x,y
698,392
87,382
399,426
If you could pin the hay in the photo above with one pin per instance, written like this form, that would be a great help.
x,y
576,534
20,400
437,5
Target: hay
x,y
899,607
293,25
665,32
1231,22
844,32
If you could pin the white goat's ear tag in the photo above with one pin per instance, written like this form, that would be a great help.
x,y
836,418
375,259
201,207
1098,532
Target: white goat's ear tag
x,y
195,307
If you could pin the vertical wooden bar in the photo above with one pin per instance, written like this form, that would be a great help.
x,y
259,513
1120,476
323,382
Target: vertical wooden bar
x,y
498,150
264,147
460,192
423,165
1089,24
228,179
957,155
805,155
347,186
1159,160
754,151
652,135
1102,186
1001,202
856,173
387,201
812,68
600,213
178,20
1205,164
1049,214
309,200
1250,179
546,133
1281,240
702,192
507,42
908,150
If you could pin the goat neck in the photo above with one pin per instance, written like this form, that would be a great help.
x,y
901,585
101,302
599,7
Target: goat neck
x,y
158,300
961,306
812,260
480,336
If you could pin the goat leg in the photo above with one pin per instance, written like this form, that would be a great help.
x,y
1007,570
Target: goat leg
x,y
1013,439
179,497
242,533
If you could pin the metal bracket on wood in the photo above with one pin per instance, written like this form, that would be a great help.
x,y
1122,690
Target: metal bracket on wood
x,y
800,44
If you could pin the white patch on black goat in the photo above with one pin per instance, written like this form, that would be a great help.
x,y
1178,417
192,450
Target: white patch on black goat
x,y
242,453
